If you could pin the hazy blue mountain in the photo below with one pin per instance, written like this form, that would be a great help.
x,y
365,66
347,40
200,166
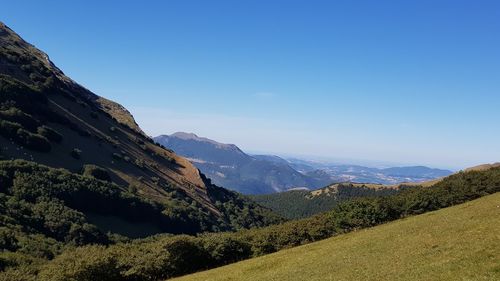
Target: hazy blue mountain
x,y
226,165
230,167
362,174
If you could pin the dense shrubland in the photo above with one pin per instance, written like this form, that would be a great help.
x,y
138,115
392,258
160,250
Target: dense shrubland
x,y
164,256
297,204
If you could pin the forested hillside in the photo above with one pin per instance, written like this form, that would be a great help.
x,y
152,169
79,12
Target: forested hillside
x,y
297,204
164,256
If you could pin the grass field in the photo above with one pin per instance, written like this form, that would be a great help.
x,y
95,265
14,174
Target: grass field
x,y
457,243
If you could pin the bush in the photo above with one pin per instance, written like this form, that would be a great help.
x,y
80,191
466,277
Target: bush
x,y
8,240
82,264
49,133
9,129
76,153
96,172
117,156
15,115
33,141
22,137
225,248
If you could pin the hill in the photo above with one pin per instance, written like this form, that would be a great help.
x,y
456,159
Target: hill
x,y
50,120
229,166
296,204
457,243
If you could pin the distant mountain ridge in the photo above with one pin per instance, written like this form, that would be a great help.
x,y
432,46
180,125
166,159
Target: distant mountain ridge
x,y
228,166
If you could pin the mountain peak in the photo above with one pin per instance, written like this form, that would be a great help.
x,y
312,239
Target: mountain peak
x,y
194,137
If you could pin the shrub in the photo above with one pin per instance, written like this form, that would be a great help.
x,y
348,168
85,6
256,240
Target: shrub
x,y
96,172
8,239
9,129
82,264
33,141
15,115
22,137
76,153
49,133
225,248
117,156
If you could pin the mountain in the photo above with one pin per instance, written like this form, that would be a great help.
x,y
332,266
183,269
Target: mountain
x,y
442,245
51,121
362,174
229,166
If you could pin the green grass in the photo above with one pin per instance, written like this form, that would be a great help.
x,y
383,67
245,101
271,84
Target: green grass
x,y
456,243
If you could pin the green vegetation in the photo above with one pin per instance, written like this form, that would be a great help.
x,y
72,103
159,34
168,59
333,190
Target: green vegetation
x,y
164,256
96,172
49,133
297,204
457,243
76,153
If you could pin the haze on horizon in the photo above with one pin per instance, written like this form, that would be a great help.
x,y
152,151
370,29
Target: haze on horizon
x,y
386,81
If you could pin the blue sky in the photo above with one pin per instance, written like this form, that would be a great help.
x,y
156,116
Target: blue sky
x,y
411,82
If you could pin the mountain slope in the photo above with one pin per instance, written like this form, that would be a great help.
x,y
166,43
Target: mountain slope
x,y
457,243
230,167
47,118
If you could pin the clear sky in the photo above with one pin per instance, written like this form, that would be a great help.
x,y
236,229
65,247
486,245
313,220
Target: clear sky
x,y
414,82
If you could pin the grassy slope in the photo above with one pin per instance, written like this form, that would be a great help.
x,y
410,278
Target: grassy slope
x,y
456,243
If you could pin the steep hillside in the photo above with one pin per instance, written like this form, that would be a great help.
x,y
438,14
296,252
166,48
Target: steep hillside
x,y
457,243
296,204
230,167
47,118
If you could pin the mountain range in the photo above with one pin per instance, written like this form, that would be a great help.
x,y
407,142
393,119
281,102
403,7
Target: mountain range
x,y
228,166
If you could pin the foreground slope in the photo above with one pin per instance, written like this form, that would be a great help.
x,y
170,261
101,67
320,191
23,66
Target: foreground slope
x,y
456,243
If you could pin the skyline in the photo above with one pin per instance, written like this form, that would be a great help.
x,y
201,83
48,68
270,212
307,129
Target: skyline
x,y
332,80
